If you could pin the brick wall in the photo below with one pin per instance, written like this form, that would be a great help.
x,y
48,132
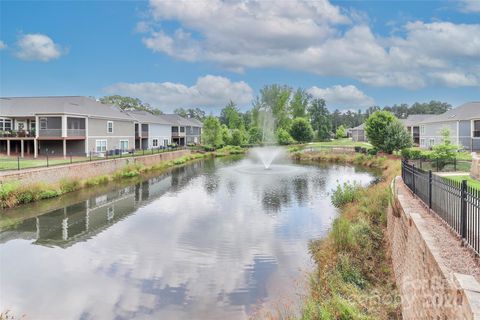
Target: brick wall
x,y
428,289
85,170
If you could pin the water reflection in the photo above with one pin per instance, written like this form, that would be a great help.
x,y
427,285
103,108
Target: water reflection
x,y
203,241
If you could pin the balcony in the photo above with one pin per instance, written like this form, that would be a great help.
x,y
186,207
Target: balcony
x,y
17,134
476,133
144,134
75,132
50,133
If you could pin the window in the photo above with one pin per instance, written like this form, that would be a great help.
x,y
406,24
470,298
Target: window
x,y
182,129
43,123
422,129
5,125
123,145
155,142
101,145
32,125
110,126
432,142
174,129
476,129
165,142
422,142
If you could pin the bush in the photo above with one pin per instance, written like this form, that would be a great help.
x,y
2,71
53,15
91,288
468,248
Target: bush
x,y
301,130
372,151
283,137
48,193
96,181
341,132
69,185
208,148
396,137
346,194
254,135
376,127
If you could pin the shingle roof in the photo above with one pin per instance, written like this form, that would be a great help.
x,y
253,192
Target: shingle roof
x,y
78,105
146,117
467,111
415,119
360,127
177,120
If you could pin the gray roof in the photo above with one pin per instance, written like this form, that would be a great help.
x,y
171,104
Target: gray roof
x,y
177,120
147,117
467,111
415,119
77,105
360,127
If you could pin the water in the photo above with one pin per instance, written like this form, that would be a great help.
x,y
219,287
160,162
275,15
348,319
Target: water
x,y
217,239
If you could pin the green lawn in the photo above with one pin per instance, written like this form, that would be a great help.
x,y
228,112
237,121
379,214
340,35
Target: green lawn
x,y
470,181
465,155
347,142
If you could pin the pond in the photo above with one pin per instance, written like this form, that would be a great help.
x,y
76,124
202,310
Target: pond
x,y
211,240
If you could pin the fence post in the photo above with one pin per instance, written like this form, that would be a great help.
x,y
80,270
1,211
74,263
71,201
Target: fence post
x,y
413,178
463,212
90,155
18,163
430,180
454,164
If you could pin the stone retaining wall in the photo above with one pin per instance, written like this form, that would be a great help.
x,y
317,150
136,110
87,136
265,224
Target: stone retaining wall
x,y
428,289
85,170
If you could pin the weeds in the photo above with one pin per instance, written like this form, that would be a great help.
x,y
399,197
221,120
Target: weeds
x,y
69,185
348,193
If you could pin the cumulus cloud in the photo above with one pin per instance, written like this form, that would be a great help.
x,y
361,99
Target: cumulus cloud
x,y
2,45
342,96
37,47
209,91
313,36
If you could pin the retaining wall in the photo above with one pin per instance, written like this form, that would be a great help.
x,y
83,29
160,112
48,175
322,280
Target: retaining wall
x,y
85,170
428,289
475,169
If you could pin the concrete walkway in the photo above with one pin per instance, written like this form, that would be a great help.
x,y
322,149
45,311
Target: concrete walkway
x,y
451,174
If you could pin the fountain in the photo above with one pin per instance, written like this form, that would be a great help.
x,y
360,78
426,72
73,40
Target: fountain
x,y
267,155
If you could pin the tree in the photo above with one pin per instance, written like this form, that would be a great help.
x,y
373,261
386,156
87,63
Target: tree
x,y
396,137
283,137
226,135
212,132
320,118
192,113
301,130
299,103
341,132
376,127
129,103
445,151
273,99
231,117
254,135
239,137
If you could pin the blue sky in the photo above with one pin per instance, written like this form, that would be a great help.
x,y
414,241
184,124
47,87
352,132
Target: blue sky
x,y
203,53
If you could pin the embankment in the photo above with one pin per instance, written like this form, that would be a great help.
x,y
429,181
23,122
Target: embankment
x,y
435,274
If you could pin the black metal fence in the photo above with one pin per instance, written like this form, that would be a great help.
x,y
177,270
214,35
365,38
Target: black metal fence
x,y
457,203
442,165
19,163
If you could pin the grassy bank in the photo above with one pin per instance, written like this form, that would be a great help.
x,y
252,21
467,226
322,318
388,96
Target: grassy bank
x,y
353,277
13,193
470,181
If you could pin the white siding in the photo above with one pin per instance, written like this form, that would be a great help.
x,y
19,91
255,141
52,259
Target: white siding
x,y
160,132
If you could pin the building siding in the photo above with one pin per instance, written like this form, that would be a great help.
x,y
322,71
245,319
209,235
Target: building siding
x,y
432,135
160,132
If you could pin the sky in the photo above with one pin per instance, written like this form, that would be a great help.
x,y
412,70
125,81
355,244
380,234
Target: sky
x,y
203,53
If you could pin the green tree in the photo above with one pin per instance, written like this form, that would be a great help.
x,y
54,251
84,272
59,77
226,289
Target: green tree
x,y
283,137
231,117
376,127
274,99
320,118
301,130
445,151
212,132
226,135
239,137
341,132
193,113
254,135
299,103
129,103
396,137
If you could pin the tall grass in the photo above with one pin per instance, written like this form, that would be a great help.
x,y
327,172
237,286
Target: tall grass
x,y
347,193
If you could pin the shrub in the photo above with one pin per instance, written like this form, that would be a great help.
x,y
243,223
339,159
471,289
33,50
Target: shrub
x,y
376,127
346,194
283,137
372,151
341,132
254,135
301,130
48,193
69,185
396,137
349,272
97,180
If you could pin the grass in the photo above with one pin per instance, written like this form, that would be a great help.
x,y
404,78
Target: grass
x,y
470,181
353,277
346,142
464,155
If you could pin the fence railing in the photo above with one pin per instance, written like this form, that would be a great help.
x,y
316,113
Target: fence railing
x,y
455,202
48,160
442,165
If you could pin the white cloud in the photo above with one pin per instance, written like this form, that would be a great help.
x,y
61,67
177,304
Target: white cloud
x,y
342,96
469,6
315,37
2,45
38,47
209,91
